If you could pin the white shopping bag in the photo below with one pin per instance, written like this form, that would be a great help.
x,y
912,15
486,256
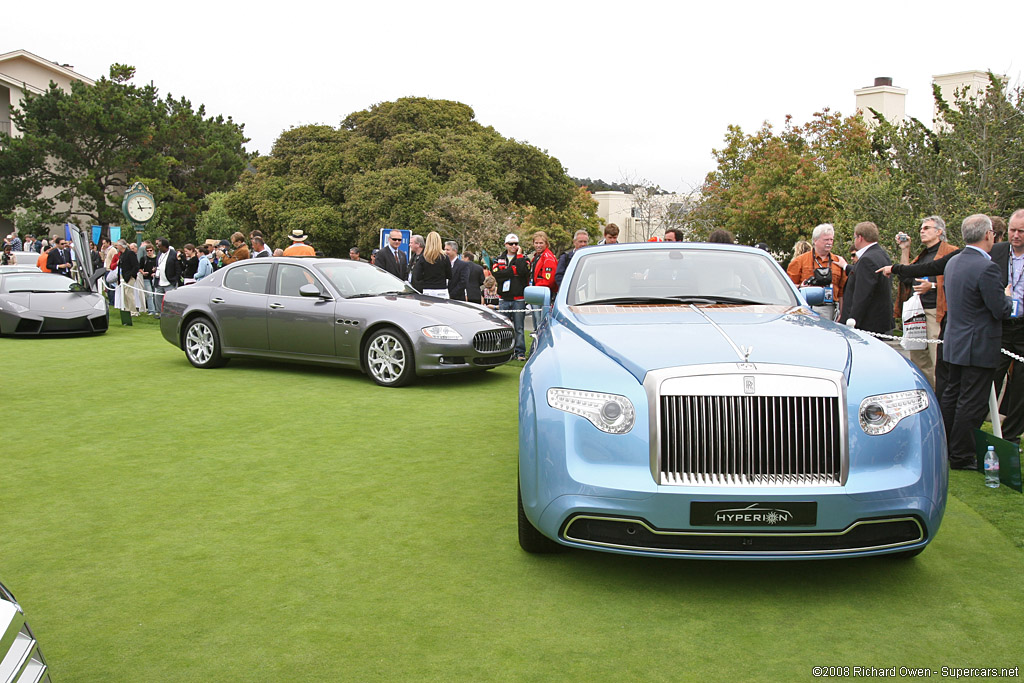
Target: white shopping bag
x,y
915,326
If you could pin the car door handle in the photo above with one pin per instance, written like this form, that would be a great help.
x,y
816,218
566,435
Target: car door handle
x,y
216,300
277,305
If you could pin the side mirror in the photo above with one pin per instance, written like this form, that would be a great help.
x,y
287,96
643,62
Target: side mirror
x,y
814,296
312,291
538,297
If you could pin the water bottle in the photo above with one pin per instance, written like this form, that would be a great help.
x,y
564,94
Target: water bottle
x,y
991,468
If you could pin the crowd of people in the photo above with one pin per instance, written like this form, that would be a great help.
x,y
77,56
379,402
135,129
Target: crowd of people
x,y
972,298
967,305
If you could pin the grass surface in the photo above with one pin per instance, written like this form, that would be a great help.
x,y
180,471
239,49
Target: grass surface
x,y
269,522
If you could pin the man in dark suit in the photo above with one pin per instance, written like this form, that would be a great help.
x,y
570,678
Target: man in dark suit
x,y
392,259
460,272
579,240
867,297
59,259
474,278
128,265
976,304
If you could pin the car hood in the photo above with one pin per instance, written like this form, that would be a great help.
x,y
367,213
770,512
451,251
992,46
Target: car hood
x,y
643,338
437,310
54,302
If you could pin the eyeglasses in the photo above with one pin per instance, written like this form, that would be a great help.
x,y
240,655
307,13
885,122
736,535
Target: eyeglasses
x,y
515,244
396,239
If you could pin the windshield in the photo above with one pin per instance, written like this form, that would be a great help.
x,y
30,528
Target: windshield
x,y
39,282
362,279
700,276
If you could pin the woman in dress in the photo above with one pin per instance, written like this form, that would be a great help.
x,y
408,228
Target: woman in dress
x,y
433,270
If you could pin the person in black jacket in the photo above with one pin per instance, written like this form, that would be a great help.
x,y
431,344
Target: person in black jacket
x,y
867,297
128,266
433,270
512,272
474,278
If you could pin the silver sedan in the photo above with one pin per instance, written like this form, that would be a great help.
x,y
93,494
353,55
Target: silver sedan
x,y
334,312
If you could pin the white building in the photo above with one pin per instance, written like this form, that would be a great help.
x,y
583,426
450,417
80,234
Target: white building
x,y
641,216
22,72
890,101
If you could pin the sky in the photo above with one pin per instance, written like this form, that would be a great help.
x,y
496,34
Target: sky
x,y
618,91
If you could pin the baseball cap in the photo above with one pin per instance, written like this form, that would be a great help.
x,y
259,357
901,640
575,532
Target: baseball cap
x,y
511,238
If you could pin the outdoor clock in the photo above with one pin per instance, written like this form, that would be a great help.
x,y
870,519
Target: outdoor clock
x,y
138,205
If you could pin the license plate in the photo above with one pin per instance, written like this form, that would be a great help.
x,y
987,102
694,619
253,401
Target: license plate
x,y
748,513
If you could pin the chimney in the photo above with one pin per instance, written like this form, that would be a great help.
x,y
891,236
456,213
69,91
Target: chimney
x,y
883,80
882,97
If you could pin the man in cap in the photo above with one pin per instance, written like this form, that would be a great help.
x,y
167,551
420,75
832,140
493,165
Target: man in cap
x,y
511,270
298,246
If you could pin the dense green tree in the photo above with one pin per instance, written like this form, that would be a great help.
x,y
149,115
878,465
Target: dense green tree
x,y
415,163
81,149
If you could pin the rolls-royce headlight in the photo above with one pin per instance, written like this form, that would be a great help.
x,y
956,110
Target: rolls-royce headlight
x,y
608,412
13,306
880,414
441,332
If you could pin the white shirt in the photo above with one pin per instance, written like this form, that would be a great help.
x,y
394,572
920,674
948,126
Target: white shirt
x,y
860,252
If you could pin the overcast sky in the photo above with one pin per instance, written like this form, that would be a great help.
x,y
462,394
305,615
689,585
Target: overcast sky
x,y
613,90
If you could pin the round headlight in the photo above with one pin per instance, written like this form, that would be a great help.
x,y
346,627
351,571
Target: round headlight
x,y
611,411
873,413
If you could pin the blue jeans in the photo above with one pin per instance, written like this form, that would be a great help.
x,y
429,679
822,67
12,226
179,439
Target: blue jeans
x,y
158,292
517,316
147,284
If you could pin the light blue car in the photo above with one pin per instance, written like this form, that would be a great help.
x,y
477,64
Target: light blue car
x,y
683,400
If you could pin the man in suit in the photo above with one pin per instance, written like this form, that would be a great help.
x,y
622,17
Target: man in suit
x,y
474,278
867,297
1009,257
976,304
392,259
59,259
128,265
460,272
416,244
579,240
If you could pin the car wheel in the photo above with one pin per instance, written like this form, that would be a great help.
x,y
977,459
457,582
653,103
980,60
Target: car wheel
x,y
202,345
531,540
388,358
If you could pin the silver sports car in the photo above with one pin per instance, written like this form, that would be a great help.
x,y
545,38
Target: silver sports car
x,y
37,303
331,311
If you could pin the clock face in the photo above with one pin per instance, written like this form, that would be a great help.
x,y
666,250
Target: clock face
x,y
140,208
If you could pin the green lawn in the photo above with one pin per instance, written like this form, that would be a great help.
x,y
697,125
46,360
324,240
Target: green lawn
x,y
267,522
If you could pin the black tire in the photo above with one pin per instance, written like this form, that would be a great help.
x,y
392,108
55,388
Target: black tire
x,y
201,344
531,540
388,358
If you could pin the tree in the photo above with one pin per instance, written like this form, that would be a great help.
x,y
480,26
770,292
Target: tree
x,y
472,217
414,163
80,150
775,188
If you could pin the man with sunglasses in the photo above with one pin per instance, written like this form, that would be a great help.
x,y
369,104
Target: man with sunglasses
x,y
59,259
392,259
511,270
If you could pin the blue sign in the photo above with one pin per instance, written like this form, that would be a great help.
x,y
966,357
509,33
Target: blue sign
x,y
96,231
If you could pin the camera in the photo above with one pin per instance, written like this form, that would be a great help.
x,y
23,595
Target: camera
x,y
822,277
902,237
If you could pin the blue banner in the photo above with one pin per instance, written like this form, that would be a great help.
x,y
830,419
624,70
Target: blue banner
x,y
115,233
67,232
96,230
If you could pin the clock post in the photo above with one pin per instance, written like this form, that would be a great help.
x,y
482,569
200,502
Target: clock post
x,y
138,207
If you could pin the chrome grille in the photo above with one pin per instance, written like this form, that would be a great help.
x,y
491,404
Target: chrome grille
x,y
751,440
492,341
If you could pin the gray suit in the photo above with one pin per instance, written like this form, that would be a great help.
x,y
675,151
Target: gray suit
x,y
975,309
